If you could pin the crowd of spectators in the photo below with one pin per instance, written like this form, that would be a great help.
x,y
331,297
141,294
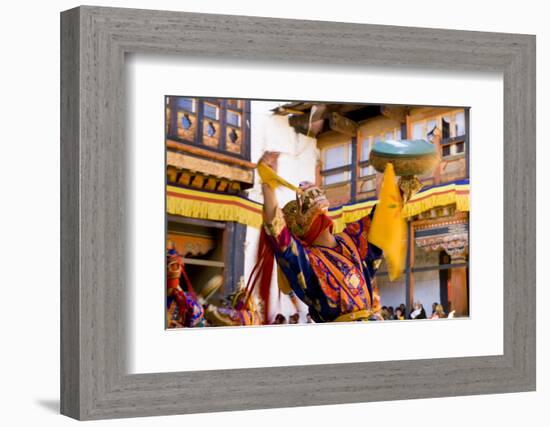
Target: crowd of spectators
x,y
417,313
386,313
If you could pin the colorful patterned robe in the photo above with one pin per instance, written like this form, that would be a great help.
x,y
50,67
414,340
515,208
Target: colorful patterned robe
x,y
193,316
330,281
182,307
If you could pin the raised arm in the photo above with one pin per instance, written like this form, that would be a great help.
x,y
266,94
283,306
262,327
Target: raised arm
x,y
274,224
271,204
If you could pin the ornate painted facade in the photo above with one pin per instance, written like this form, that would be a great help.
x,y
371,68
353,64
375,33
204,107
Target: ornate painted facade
x,y
208,167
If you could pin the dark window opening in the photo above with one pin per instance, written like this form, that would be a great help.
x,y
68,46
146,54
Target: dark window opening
x,y
186,121
234,136
211,130
445,128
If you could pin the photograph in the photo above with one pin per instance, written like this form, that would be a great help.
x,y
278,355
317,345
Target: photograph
x,y
285,212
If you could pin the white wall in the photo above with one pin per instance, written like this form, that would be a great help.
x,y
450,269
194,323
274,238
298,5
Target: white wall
x,y
29,218
271,132
391,293
426,289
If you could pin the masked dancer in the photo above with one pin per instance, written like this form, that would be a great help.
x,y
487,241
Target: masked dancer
x,y
333,274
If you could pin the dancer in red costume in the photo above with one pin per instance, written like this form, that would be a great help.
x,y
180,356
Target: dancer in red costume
x,y
183,307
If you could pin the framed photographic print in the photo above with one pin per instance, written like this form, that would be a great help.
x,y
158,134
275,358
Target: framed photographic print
x,y
262,213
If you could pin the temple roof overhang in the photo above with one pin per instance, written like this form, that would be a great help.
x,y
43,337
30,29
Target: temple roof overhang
x,y
207,170
316,118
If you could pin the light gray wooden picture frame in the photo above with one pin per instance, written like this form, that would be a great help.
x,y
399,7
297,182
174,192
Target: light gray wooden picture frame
x,y
94,41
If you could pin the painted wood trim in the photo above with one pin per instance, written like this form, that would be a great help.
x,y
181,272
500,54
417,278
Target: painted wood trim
x,y
211,154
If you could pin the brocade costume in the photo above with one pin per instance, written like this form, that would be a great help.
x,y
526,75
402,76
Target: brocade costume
x,y
335,283
241,311
182,307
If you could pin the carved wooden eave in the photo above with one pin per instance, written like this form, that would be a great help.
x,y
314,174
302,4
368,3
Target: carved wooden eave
x,y
188,244
294,108
302,124
448,233
313,119
395,112
207,170
342,124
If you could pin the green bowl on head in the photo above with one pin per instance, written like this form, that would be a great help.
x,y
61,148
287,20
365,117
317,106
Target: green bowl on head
x,y
409,157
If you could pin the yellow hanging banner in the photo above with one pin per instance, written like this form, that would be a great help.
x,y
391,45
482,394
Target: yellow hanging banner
x,y
388,229
213,206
